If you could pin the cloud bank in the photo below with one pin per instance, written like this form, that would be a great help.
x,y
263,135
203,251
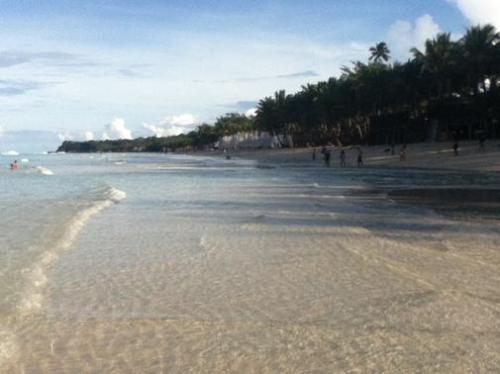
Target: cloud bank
x,y
173,125
13,58
251,112
404,35
297,75
117,130
88,135
63,136
480,11
10,87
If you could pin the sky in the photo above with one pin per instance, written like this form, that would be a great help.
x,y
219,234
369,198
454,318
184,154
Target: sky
x,y
108,69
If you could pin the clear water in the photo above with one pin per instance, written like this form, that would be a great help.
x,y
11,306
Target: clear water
x,y
156,263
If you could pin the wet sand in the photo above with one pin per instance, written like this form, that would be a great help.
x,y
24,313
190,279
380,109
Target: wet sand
x,y
269,270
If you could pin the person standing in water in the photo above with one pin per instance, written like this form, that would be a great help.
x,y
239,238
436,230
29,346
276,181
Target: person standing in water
x,y
327,156
402,153
13,165
360,157
314,154
342,158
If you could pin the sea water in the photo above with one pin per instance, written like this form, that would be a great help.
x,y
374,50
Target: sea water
x,y
170,263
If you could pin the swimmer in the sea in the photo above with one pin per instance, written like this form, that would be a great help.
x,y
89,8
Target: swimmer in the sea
x,y
13,165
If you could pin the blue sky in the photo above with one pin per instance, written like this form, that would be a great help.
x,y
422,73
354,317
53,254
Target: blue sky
x,y
110,68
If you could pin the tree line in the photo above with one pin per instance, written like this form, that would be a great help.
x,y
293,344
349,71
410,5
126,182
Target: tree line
x,y
203,136
370,102
444,81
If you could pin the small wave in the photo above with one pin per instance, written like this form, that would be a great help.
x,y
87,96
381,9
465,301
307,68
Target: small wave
x,y
25,160
120,163
35,276
44,170
10,153
116,195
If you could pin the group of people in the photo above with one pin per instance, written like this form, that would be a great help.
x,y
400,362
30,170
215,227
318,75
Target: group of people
x,y
327,155
14,165
480,136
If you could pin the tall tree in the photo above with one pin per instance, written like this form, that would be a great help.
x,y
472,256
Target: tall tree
x,y
439,61
380,53
479,48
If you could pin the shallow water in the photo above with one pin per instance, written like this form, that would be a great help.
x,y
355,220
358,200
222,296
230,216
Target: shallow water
x,y
154,263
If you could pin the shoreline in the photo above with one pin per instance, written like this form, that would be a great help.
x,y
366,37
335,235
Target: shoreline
x,y
418,156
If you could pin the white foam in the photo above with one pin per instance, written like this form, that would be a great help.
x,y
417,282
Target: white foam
x,y
117,195
44,170
25,160
35,276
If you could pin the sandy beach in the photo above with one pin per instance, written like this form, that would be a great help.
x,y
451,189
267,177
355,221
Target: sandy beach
x,y
419,155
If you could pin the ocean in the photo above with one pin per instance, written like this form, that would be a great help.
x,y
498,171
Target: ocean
x,y
149,263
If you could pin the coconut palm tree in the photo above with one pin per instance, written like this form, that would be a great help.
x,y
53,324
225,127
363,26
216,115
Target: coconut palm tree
x,y
266,116
478,46
380,53
439,60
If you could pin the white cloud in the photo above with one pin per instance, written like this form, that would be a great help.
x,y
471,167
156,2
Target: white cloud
x,y
117,130
105,136
159,131
404,35
251,112
182,120
63,136
480,11
173,125
88,135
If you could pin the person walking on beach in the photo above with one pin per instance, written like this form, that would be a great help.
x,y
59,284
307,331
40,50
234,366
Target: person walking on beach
x,y
482,139
327,156
342,158
402,153
455,143
360,157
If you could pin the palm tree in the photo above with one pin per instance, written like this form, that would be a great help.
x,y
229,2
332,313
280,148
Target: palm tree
x,y
266,116
439,61
478,45
380,52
